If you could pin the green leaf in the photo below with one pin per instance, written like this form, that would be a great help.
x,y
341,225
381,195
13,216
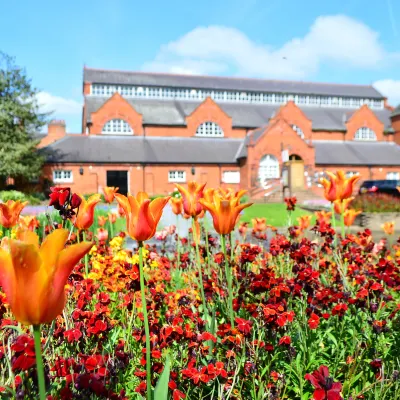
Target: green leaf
x,y
161,389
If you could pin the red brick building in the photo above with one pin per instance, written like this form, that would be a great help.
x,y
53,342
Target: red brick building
x,y
148,131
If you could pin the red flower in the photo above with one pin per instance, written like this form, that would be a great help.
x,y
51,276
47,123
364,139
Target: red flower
x,y
339,309
285,340
313,322
243,325
325,387
25,353
73,335
290,203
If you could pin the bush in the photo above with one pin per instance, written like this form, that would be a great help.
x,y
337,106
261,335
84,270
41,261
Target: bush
x,y
15,195
376,203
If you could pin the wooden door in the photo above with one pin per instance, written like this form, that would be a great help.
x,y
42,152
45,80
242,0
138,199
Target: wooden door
x,y
297,174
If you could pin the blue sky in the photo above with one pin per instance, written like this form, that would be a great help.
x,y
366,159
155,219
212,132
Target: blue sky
x,y
325,40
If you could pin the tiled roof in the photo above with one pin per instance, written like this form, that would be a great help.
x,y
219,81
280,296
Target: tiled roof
x,y
356,153
173,112
140,149
396,111
227,83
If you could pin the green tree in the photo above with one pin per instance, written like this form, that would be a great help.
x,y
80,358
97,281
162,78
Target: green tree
x,y
20,121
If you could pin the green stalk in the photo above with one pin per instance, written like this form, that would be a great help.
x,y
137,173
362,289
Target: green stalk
x,y
196,240
146,322
342,222
178,245
207,247
228,273
39,362
86,257
111,224
334,222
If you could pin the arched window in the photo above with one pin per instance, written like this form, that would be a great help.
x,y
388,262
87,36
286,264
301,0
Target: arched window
x,y
268,168
298,130
209,129
117,126
365,133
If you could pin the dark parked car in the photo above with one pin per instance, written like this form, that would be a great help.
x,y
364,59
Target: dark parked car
x,y
381,186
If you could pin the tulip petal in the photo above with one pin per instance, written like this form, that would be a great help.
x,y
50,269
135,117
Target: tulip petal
x,y
32,282
145,226
7,275
157,206
51,247
123,202
66,261
28,237
141,197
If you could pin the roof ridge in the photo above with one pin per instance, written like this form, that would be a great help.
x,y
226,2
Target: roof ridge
x,y
229,77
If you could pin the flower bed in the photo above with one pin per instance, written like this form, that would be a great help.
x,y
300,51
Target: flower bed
x,y
309,319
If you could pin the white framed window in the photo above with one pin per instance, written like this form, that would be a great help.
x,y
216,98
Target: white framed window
x,y
209,129
268,168
365,133
176,176
62,176
298,130
393,176
349,174
117,126
231,177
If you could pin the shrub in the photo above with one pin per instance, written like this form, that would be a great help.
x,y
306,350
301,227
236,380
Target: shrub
x,y
15,195
376,203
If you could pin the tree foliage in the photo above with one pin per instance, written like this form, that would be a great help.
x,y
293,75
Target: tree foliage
x,y
20,121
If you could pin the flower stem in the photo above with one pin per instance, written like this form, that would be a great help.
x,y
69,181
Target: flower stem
x,y
146,323
86,257
228,273
39,362
342,222
334,222
196,241
178,245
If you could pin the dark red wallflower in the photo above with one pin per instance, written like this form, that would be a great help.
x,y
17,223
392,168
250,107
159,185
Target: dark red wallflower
x,y
290,203
313,321
64,201
24,349
243,325
325,387
285,340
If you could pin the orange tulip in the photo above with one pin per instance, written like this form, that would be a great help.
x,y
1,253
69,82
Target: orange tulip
x,y
9,212
101,220
323,217
259,224
341,206
28,222
243,228
224,211
388,228
34,277
109,193
85,216
350,216
142,215
208,195
191,197
176,205
338,187
112,217
304,222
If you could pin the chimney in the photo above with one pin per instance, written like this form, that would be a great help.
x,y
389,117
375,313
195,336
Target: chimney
x,y
55,131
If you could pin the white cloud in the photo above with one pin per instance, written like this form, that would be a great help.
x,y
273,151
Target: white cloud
x,y
389,88
58,105
336,39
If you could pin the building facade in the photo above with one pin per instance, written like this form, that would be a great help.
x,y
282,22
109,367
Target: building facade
x,y
149,131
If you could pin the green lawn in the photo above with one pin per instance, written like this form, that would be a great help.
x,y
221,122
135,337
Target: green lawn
x,y
275,213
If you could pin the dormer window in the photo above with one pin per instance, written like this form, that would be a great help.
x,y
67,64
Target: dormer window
x,y
209,129
298,130
365,133
117,127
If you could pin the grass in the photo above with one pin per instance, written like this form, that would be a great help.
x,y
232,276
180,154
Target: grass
x,y
275,213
